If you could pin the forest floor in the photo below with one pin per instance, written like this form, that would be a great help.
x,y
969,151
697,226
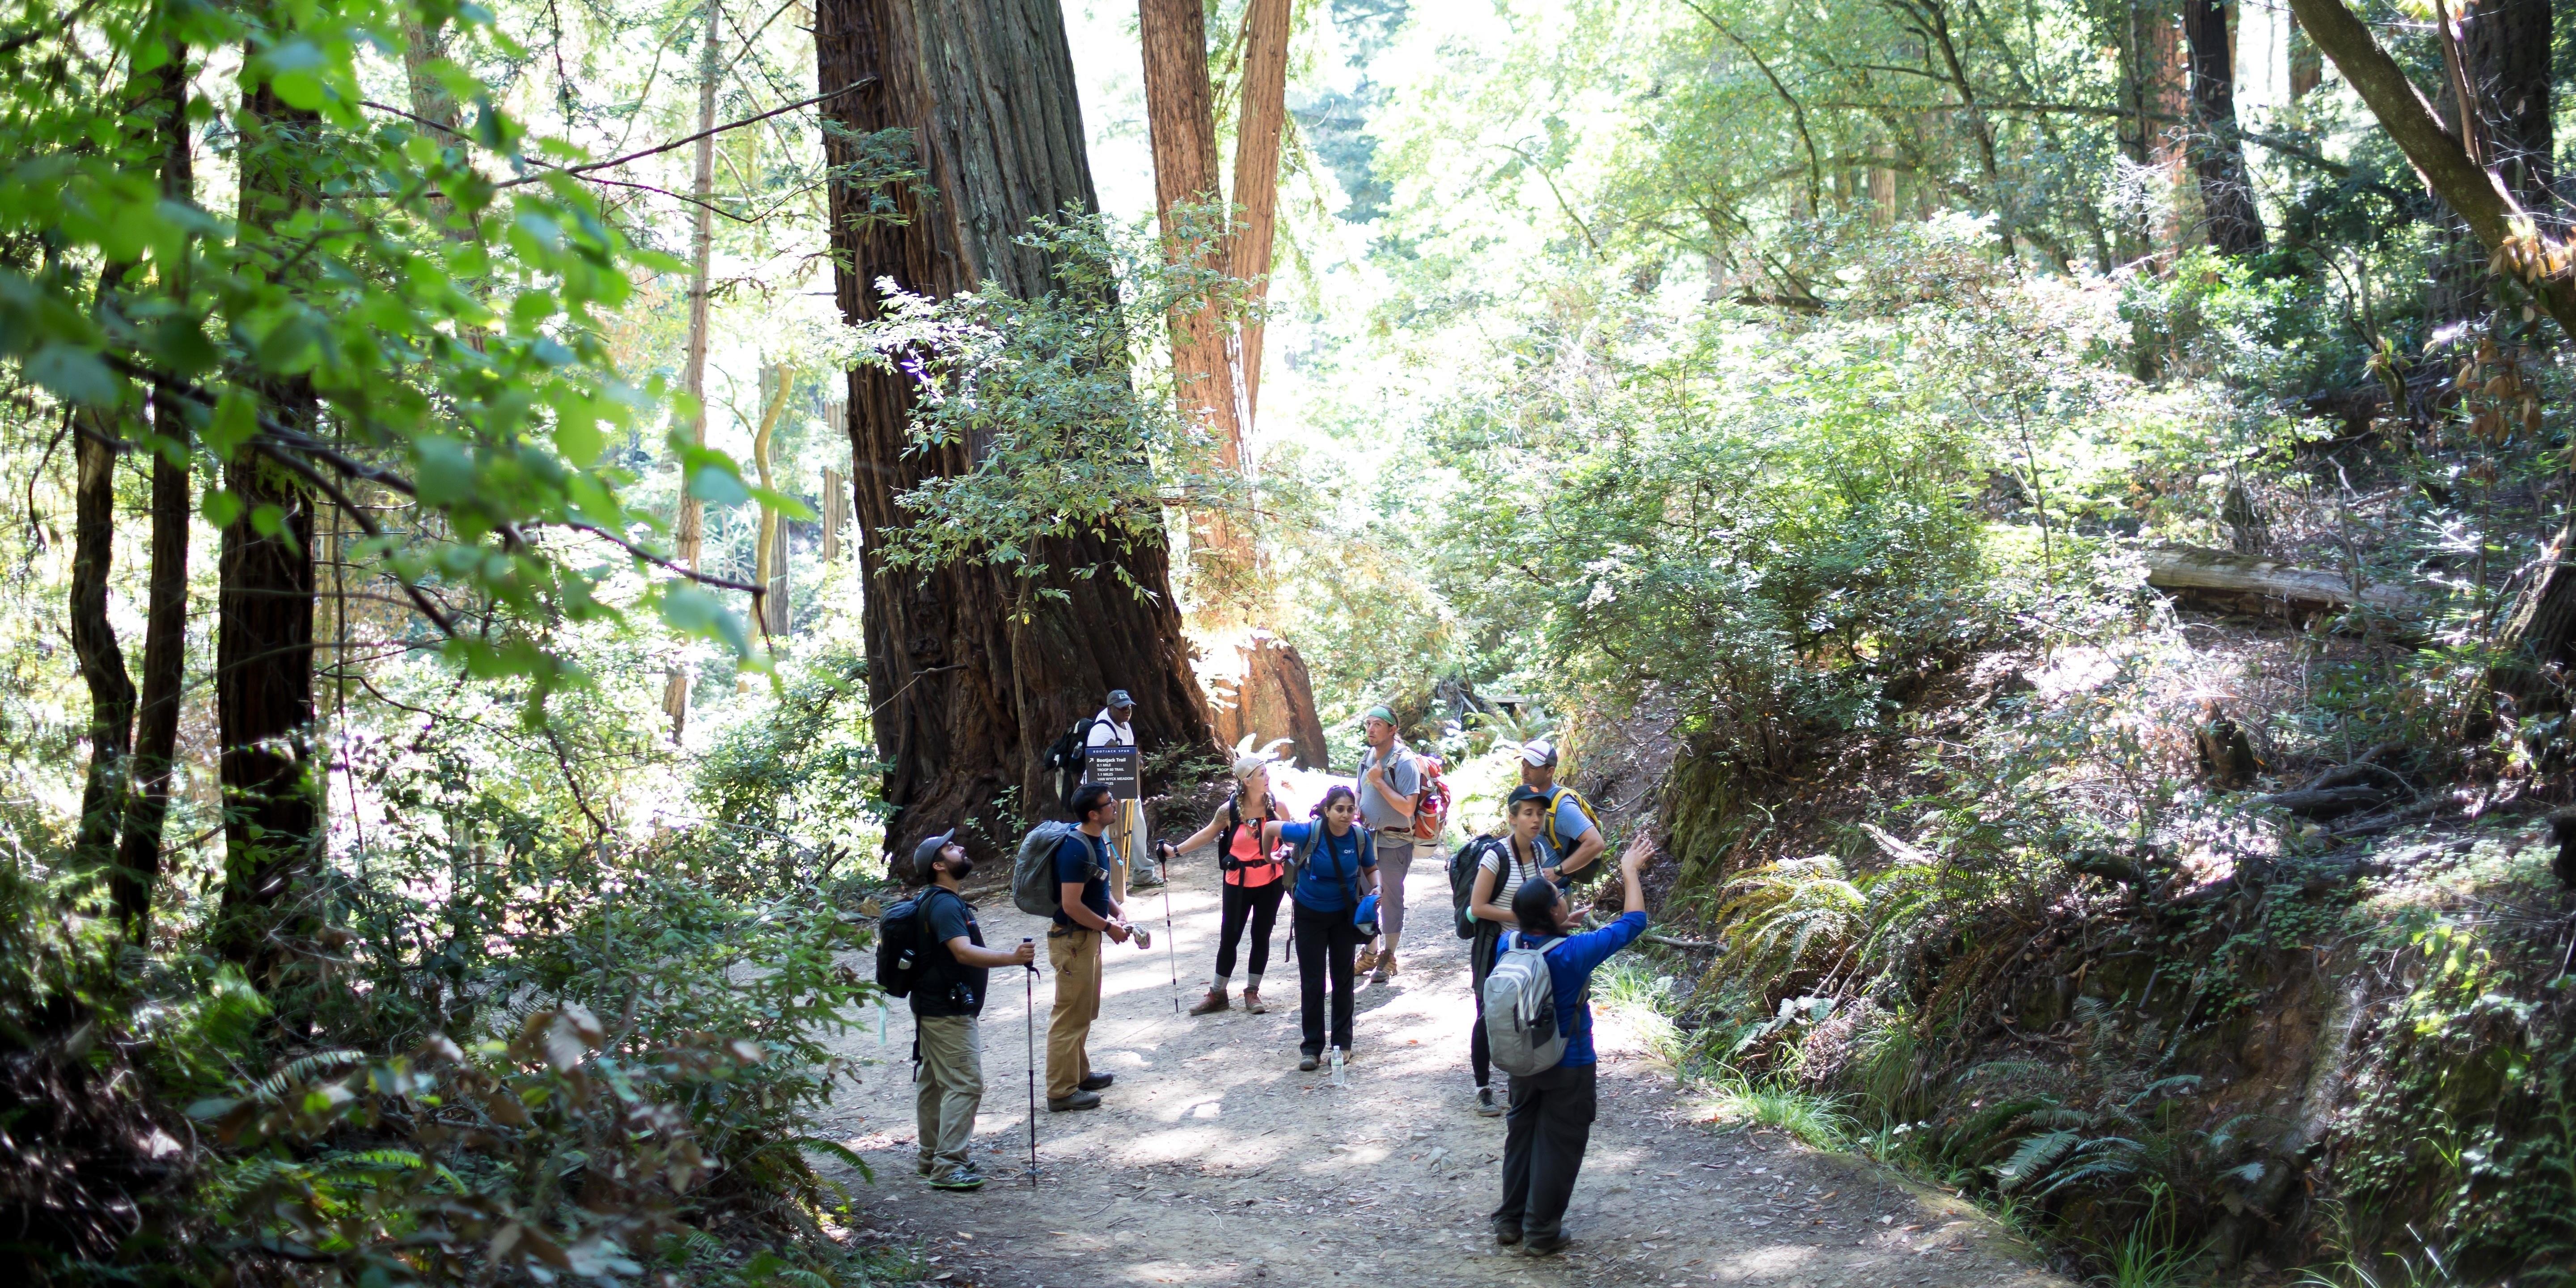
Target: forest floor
x,y
1215,1161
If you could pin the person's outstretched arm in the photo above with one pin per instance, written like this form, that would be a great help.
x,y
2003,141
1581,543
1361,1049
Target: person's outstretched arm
x,y
1215,823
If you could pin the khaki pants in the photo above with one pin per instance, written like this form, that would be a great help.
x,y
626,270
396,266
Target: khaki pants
x,y
1074,954
947,1089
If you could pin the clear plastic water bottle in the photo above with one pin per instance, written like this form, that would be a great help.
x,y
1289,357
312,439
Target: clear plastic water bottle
x,y
1337,1067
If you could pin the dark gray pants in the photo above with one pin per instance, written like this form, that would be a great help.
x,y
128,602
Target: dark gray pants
x,y
1545,1133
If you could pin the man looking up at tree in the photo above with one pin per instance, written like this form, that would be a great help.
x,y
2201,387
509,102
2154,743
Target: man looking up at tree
x,y
1115,727
1389,776
1085,913
1571,829
949,1079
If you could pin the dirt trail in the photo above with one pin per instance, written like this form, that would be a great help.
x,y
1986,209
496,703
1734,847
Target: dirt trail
x,y
1214,1161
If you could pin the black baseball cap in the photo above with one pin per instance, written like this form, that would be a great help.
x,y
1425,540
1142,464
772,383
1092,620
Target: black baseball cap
x,y
1520,794
929,849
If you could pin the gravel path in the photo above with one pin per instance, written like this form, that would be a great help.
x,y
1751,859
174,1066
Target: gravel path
x,y
1214,1161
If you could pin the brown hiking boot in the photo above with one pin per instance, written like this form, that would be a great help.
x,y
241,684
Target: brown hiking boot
x,y
1367,962
1212,1003
1252,1002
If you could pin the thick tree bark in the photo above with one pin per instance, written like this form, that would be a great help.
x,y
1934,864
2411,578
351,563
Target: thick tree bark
x,y
688,533
2234,225
968,691
1180,118
165,625
264,630
1261,115
102,663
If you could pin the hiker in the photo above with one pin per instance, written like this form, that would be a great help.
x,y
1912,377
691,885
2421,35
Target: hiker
x,y
1520,856
1087,913
1129,864
1336,869
1571,828
946,1001
1552,1111
1253,879
1389,775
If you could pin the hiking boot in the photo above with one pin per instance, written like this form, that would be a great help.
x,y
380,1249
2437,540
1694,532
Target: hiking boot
x,y
1215,1002
1252,1002
1097,1082
1145,879
1506,1232
1306,1063
963,1180
1366,963
1485,1104
1078,1100
1386,968
1542,1244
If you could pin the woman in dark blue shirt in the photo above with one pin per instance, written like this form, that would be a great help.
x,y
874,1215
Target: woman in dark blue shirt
x,y
1338,869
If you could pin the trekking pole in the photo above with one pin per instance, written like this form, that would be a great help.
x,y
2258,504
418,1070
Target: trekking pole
x,y
1029,1013
1171,950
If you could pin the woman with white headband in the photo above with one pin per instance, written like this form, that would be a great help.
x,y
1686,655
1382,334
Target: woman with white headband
x,y
1253,878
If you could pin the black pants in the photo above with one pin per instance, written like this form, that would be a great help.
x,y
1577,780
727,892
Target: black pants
x,y
1480,963
1258,905
1543,1139
1324,939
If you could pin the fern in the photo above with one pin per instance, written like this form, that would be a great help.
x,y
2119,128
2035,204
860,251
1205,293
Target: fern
x,y
2036,1155
295,1073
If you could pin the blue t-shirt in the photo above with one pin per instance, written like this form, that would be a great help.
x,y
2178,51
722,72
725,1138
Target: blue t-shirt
x,y
1333,871
1570,967
1084,858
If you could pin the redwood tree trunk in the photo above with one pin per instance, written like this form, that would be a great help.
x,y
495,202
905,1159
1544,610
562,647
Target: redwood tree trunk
x,y
1261,116
2217,146
967,695
264,634
165,625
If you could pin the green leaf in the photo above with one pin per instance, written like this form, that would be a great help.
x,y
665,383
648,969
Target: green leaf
x,y
221,508
717,485
74,374
444,471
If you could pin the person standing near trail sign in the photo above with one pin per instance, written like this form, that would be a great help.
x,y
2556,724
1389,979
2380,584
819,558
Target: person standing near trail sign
x,y
1086,914
1571,828
1130,862
1389,777
946,1004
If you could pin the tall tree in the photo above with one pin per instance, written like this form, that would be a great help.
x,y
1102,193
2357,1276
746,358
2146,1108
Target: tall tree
x,y
265,594
971,677
2228,213
1261,116
689,531
98,441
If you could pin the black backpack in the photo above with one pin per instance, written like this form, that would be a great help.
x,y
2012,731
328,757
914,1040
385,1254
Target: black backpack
x,y
905,953
1462,880
1068,757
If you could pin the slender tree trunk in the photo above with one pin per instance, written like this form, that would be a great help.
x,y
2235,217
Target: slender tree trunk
x,y
688,534
102,663
2228,212
165,625
770,561
264,627
969,692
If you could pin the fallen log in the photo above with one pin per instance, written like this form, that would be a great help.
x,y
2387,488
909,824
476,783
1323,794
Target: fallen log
x,y
2270,586
2325,802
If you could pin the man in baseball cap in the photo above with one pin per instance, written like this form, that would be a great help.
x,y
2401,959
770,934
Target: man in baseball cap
x,y
1572,827
1131,860
946,1001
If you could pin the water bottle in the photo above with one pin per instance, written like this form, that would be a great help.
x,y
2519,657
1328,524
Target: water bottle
x,y
1337,1067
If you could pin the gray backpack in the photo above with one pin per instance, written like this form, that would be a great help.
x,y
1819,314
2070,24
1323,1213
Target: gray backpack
x,y
1520,1011
1033,883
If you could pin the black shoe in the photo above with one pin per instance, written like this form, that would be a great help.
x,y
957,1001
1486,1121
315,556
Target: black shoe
x,y
1306,1063
1542,1244
1078,1100
1506,1233
1097,1081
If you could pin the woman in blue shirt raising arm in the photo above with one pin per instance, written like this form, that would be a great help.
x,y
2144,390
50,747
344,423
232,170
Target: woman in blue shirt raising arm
x,y
1337,870
1550,1121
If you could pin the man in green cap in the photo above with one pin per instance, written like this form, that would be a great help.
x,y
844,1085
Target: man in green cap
x,y
1389,779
